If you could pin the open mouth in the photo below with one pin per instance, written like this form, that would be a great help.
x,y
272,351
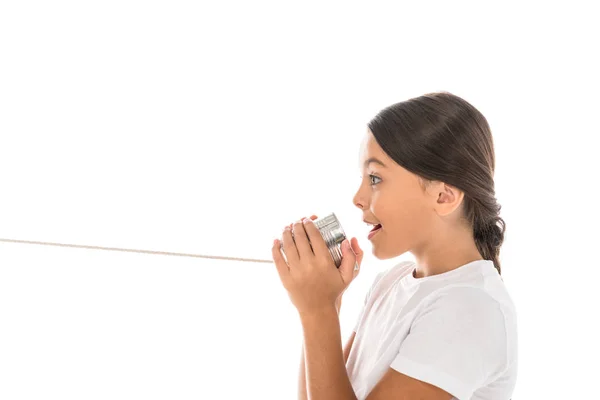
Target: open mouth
x,y
376,228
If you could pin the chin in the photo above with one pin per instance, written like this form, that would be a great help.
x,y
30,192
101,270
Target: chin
x,y
386,252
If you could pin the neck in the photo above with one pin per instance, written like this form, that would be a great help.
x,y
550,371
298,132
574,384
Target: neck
x,y
446,250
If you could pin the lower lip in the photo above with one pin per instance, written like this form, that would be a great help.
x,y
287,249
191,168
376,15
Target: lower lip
x,y
372,233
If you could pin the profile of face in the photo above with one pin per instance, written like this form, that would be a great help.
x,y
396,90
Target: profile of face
x,y
409,209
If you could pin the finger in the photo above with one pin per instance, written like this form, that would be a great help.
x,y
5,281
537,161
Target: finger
x,y
304,249
316,240
357,250
359,255
313,217
289,247
348,262
282,268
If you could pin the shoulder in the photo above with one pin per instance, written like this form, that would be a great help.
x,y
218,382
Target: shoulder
x,y
462,292
468,300
467,311
461,323
456,342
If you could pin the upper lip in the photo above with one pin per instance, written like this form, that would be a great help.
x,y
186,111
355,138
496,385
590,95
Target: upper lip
x,y
369,222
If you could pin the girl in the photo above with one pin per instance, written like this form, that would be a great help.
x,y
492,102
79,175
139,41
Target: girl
x,y
441,327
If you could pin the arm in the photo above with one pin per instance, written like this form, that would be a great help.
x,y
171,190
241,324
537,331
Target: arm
x,y
302,394
326,375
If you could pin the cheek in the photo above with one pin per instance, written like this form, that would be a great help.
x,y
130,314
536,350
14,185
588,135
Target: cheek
x,y
406,216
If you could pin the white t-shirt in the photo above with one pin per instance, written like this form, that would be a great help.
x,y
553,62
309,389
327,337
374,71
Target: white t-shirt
x,y
456,330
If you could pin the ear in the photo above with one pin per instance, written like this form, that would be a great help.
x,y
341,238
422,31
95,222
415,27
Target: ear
x,y
447,198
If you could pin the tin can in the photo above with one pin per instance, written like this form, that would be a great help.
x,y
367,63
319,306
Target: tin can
x,y
333,234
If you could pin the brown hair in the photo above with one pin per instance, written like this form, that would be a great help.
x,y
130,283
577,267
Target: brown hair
x,y
440,136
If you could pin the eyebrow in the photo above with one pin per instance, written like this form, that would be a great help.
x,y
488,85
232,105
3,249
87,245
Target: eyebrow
x,y
373,160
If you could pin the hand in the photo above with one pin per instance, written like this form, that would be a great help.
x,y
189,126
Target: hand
x,y
356,249
310,276
338,302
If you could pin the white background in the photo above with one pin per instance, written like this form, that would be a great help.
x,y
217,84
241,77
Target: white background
x,y
206,127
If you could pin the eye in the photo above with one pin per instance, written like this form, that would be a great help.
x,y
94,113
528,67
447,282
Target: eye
x,y
376,177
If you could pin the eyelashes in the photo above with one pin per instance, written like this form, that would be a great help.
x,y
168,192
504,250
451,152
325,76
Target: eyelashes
x,y
376,177
371,178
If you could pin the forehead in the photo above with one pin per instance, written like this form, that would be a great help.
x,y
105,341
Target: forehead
x,y
369,148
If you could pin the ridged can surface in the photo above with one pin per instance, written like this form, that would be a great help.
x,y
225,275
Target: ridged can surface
x,y
332,232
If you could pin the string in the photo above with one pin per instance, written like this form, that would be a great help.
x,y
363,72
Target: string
x,y
140,251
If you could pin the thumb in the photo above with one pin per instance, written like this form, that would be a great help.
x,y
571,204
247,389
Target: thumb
x,y
349,260
357,250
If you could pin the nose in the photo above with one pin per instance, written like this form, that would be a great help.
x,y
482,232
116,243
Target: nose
x,y
359,200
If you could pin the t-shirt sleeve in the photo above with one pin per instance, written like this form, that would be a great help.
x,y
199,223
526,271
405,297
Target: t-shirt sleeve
x,y
456,342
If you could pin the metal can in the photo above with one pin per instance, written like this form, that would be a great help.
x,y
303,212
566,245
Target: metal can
x,y
333,234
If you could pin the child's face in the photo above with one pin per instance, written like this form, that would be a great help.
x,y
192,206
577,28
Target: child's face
x,y
395,198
